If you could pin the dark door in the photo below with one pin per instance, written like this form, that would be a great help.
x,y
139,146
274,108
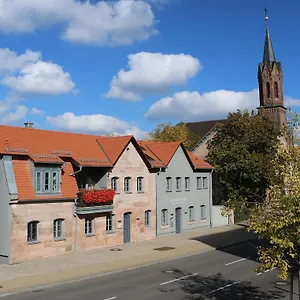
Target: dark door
x,y
126,232
178,219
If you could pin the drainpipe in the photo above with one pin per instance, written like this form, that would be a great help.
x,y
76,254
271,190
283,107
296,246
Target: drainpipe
x,y
75,215
210,200
156,227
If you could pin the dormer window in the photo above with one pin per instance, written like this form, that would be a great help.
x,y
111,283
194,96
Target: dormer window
x,y
47,180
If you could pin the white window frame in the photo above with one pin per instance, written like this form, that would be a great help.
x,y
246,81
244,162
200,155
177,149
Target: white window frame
x,y
199,183
140,184
205,182
202,212
115,183
169,184
148,218
32,230
164,217
88,226
191,214
187,183
109,223
58,229
127,184
178,184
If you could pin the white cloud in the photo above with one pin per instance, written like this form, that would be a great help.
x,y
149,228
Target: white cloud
x,y
104,22
36,111
10,61
41,78
97,123
193,106
18,114
152,73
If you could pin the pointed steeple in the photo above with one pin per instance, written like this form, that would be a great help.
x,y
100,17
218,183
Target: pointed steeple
x,y
269,56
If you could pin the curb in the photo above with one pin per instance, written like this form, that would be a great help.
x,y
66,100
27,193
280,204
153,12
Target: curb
x,y
14,291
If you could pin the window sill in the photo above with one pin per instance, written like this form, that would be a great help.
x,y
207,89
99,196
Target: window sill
x,y
89,234
117,193
33,242
59,239
188,190
147,226
192,222
169,191
164,227
128,192
203,220
178,190
48,194
110,232
140,192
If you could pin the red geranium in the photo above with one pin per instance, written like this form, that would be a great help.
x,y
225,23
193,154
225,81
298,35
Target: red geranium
x,y
103,196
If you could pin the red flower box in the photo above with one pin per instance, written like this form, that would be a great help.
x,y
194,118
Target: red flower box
x,y
100,197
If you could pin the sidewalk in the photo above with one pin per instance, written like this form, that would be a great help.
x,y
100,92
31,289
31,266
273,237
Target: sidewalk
x,y
90,263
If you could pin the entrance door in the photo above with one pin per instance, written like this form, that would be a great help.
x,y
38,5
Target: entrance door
x,y
178,219
126,232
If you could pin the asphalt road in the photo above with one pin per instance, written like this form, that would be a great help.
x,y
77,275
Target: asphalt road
x,y
226,274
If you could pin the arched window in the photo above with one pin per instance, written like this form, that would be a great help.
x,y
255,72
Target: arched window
x,y
191,214
115,183
127,184
147,217
268,90
164,217
276,89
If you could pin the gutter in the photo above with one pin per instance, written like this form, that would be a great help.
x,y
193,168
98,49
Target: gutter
x,y
210,200
156,227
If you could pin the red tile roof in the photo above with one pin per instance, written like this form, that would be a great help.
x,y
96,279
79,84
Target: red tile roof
x,y
160,154
44,146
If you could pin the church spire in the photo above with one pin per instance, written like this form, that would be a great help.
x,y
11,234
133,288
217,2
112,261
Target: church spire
x,y
269,56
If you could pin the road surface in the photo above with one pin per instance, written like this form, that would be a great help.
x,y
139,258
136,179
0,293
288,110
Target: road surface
x,y
226,274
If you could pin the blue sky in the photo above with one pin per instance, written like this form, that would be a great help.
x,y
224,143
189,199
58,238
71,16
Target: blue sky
x,y
123,66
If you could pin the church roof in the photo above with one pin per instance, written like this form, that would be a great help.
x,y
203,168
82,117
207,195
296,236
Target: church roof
x,y
204,127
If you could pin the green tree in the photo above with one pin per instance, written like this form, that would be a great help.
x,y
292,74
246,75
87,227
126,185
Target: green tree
x,y
166,132
242,152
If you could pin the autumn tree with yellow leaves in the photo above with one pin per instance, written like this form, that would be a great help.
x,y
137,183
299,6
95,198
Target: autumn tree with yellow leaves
x,y
277,219
166,132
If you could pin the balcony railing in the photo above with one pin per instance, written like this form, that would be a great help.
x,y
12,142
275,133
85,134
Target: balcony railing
x,y
95,201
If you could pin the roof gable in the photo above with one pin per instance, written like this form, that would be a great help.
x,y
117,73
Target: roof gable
x,y
204,127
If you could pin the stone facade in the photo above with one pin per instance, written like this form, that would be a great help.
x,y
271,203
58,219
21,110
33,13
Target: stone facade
x,y
46,246
130,164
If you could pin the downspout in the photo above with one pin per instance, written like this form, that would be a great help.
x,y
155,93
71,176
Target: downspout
x,y
210,200
156,179
75,214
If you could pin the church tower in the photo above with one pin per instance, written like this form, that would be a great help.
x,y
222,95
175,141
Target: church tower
x,y
270,80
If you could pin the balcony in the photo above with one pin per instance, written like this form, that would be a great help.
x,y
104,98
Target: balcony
x,y
95,201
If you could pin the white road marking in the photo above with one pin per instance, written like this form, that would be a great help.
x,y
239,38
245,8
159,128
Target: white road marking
x,y
110,298
236,261
224,287
177,279
266,271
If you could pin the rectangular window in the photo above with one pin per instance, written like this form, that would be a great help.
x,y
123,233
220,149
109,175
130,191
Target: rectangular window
x,y
147,217
205,183
109,223
127,184
164,217
114,183
139,184
46,181
54,181
38,181
178,184
202,212
199,183
32,231
169,184
58,229
191,214
88,228
187,183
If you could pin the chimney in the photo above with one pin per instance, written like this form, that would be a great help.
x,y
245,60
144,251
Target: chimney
x,y
28,124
